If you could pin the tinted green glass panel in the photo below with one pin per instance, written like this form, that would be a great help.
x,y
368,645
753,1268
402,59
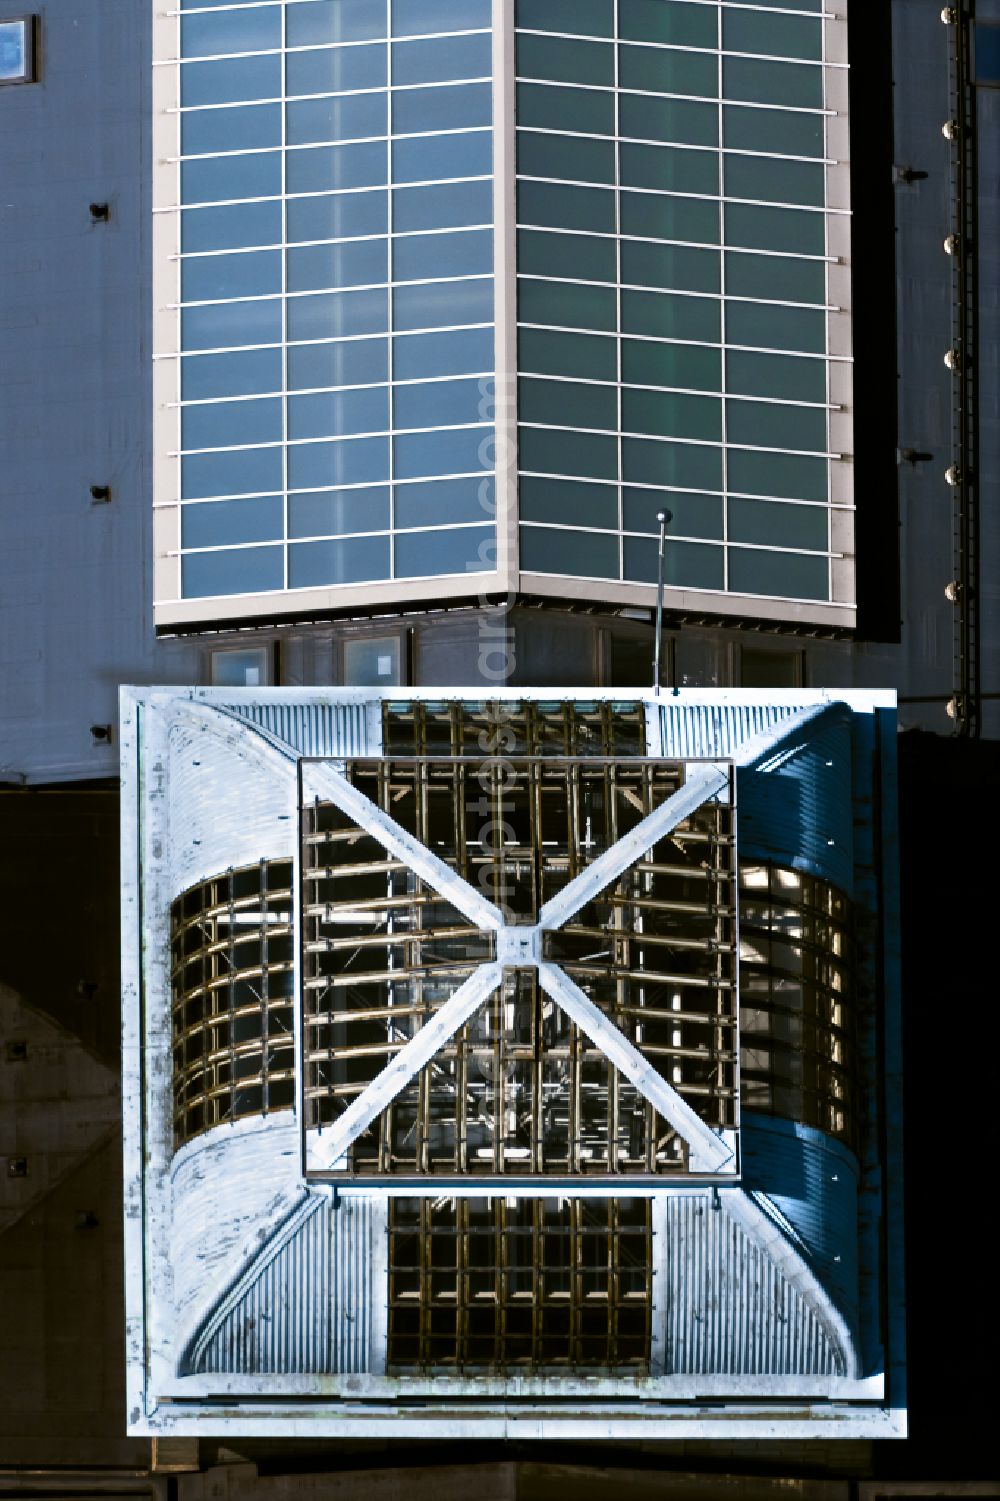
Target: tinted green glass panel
x,y
686,565
778,525
329,513
787,229
692,515
651,119
687,365
776,426
585,257
655,21
775,36
666,317
650,216
690,466
565,61
675,266
795,84
591,455
788,574
775,181
579,17
776,375
772,130
579,554
776,276
669,169
566,207
249,570
816,5
776,327
780,474
560,502
569,157
352,561
468,549
655,71
568,404
565,305
671,415
584,355
565,109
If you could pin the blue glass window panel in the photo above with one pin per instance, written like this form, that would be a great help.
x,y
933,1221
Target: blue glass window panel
x,y
330,70
657,217
230,423
251,127
356,560
258,370
443,60
226,523
349,117
675,266
337,414
777,524
467,549
458,352
689,466
580,554
669,168
360,165
572,17
232,81
210,278
568,404
242,224
257,30
787,574
588,456
775,277
356,263
424,158
657,70
227,325
248,471
693,515
563,61
248,570
448,206
761,425
439,404
330,513
563,503
660,316
445,502
443,304
771,327
356,362
424,17
563,207
460,451
549,253
338,216
338,315
458,107
351,461
333,21
686,565
210,4
775,181
795,84
215,179
682,25
772,130
789,229
565,305
420,257
784,475
565,109
771,35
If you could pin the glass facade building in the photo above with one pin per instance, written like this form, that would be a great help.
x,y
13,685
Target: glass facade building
x,y
455,295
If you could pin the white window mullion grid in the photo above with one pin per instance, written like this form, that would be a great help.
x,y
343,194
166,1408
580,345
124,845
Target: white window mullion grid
x,y
618,300
390,288
178,317
722,308
824,23
286,530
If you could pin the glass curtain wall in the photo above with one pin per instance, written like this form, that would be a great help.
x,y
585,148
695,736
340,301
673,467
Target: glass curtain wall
x,y
673,291
336,293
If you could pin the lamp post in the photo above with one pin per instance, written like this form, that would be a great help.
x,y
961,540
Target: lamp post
x,y
664,518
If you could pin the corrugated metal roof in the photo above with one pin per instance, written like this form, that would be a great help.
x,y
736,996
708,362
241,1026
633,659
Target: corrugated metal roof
x,y
715,729
311,729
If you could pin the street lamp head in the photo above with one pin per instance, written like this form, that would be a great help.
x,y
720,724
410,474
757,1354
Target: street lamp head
x,y
664,517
